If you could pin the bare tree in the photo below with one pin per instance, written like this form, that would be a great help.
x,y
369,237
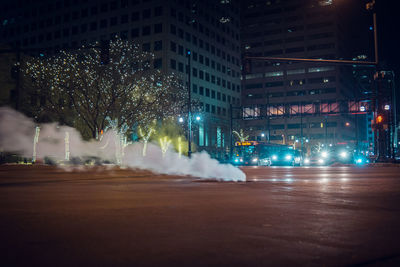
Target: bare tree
x,y
81,91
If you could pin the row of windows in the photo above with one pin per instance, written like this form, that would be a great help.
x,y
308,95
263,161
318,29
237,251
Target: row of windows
x,y
204,60
190,21
289,72
205,45
105,7
260,64
112,21
203,75
214,109
290,8
207,92
292,82
289,29
298,125
75,30
294,50
84,28
219,7
294,93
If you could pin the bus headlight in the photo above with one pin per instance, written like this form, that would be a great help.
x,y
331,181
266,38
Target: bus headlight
x,y
321,161
306,161
343,154
324,154
254,159
274,157
288,157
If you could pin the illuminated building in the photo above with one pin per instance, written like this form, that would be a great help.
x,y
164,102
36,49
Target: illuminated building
x,y
296,100
208,28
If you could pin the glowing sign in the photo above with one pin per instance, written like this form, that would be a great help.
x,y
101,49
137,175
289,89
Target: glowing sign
x,y
246,143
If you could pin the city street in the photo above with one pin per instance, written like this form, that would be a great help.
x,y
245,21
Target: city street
x,y
315,216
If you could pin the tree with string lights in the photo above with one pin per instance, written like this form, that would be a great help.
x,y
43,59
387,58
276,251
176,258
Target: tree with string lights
x,y
82,90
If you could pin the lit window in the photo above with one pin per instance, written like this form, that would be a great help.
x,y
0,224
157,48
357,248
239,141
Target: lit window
x,y
325,2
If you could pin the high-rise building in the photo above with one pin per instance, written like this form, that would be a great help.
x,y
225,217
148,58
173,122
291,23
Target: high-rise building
x,y
364,80
209,29
296,102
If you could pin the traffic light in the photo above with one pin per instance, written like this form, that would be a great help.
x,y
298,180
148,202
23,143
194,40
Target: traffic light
x,y
379,119
247,66
105,52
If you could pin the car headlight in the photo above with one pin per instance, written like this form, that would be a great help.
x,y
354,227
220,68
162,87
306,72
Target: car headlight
x,y
324,154
241,160
288,157
274,157
359,161
307,161
343,154
236,160
321,161
254,159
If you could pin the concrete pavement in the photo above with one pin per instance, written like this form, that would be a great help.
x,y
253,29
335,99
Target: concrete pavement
x,y
332,216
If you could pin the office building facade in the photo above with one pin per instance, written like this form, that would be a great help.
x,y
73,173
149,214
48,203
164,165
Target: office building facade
x,y
208,29
289,102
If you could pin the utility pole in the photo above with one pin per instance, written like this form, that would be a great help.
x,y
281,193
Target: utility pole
x,y
18,80
301,128
268,113
394,112
326,131
231,131
188,54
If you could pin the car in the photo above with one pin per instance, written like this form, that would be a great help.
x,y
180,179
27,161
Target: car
x,y
322,158
286,158
360,159
314,161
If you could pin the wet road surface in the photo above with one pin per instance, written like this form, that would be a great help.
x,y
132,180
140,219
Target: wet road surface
x,y
332,216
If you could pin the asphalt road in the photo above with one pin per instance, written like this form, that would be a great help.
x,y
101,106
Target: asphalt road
x,y
322,216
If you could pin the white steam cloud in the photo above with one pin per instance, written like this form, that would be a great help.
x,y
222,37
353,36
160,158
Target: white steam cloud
x,y
17,134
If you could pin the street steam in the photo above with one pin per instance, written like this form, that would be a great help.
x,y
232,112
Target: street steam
x,y
19,134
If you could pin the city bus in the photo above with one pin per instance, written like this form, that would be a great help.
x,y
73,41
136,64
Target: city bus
x,y
265,154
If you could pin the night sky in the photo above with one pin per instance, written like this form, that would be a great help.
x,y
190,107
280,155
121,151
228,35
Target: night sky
x,y
388,34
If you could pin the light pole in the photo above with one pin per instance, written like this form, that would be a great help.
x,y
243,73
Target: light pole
x,y
188,54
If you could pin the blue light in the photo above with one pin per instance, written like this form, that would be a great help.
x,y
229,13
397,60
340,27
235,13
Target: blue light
x,y
359,161
371,28
188,52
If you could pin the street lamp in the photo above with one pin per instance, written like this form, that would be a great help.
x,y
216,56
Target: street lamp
x,y
188,53
198,118
180,119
